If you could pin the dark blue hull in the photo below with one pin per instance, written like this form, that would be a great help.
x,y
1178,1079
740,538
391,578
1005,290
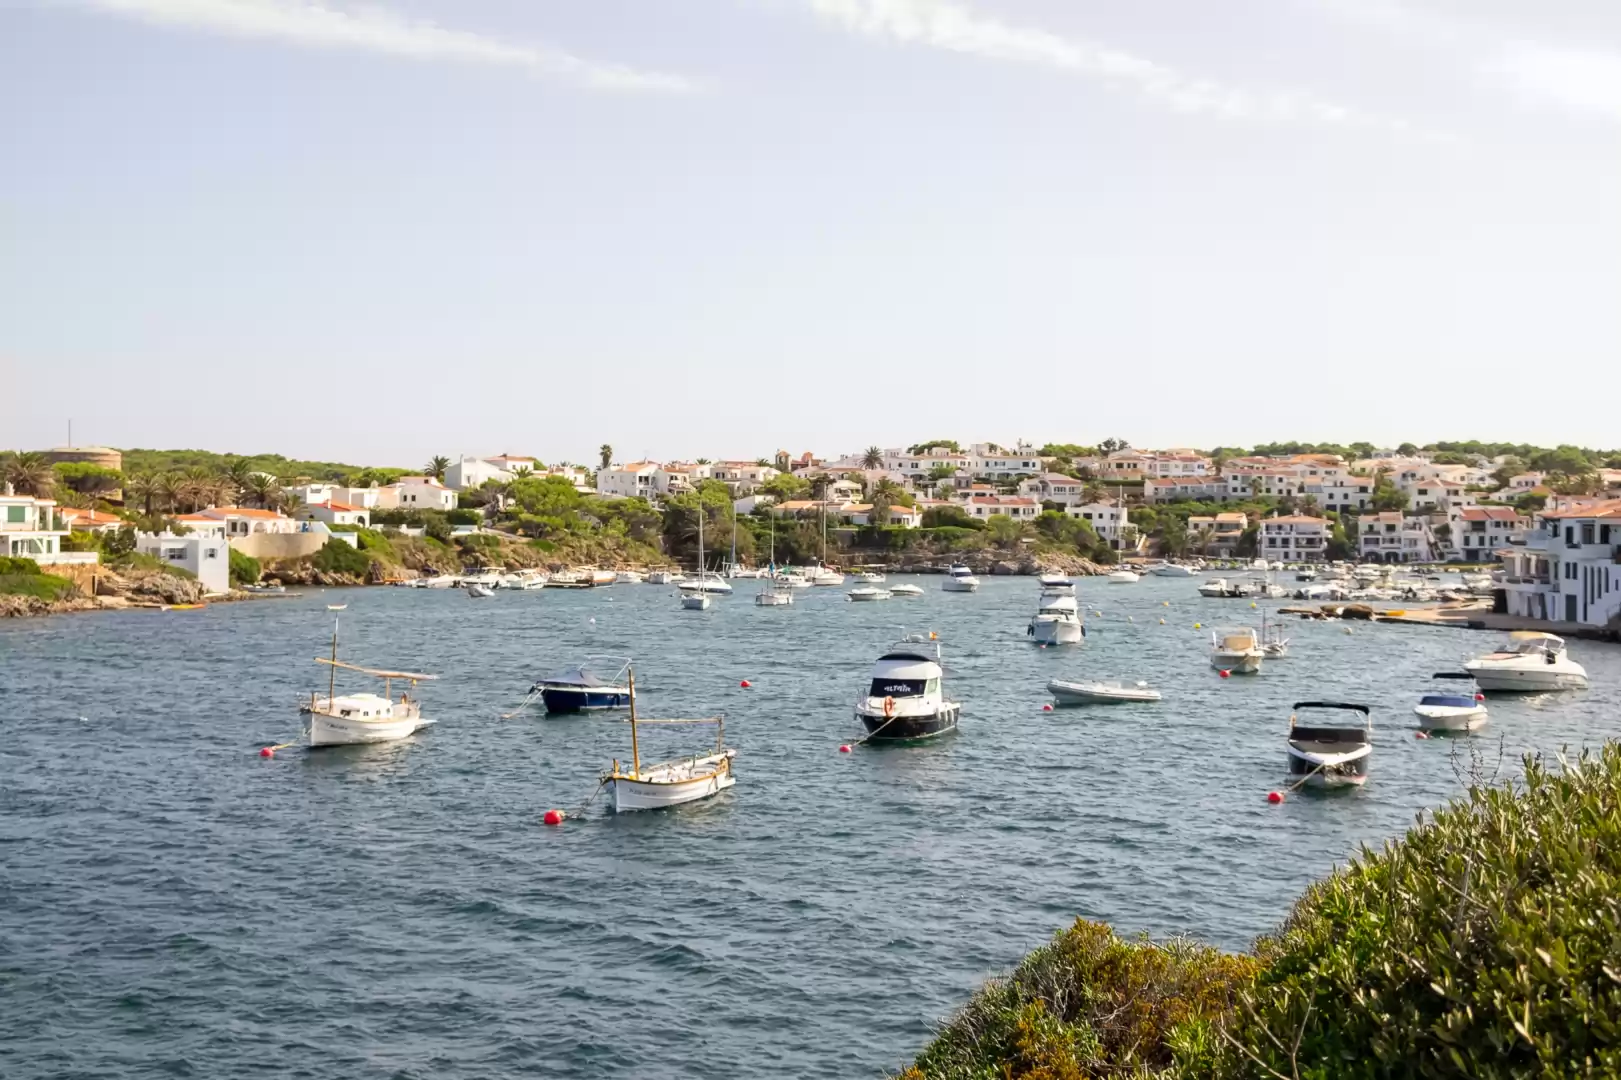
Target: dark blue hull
x,y
567,699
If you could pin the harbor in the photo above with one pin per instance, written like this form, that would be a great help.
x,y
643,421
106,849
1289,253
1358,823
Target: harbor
x,y
162,877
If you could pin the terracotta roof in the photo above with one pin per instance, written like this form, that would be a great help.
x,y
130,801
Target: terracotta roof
x,y
1232,517
1000,500
1489,513
1298,519
636,466
88,517
218,513
1607,508
341,508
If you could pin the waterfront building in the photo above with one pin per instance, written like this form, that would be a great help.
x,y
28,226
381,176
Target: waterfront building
x,y
242,520
1568,567
1109,520
1184,489
471,472
1394,537
94,521
1053,487
208,558
1478,532
1218,535
1296,538
742,476
31,529
1017,507
904,517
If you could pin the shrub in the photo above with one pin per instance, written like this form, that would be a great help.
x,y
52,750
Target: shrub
x,y
9,566
337,557
463,517
244,568
35,583
135,560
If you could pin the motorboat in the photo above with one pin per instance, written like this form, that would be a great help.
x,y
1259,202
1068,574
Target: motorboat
x,y
1452,712
479,589
666,577
824,576
629,577
1236,650
774,594
868,593
1327,754
1056,583
599,578
268,587
1230,590
1259,564
488,576
1124,577
695,599
1057,621
1305,573
526,580
793,579
440,581
960,579
1099,693
350,719
594,684
1530,661
905,590
868,577
1170,569
1273,643
668,783
904,702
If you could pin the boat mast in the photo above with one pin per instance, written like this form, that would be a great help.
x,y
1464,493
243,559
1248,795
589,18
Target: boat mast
x,y
635,752
734,539
700,538
332,673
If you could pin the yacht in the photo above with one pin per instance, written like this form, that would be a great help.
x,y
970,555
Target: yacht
x,y
960,579
703,581
1529,661
629,577
1099,693
1056,583
904,702
1124,577
1170,569
905,590
594,684
1330,754
525,580
669,783
695,599
350,719
793,579
1057,621
868,577
1221,587
774,594
824,576
1452,712
1236,650
487,576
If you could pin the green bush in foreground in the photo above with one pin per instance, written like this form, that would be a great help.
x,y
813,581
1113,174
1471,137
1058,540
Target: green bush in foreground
x,y
245,569
9,565
37,584
1485,944
337,557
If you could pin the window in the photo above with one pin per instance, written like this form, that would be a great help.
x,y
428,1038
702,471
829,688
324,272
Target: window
x,y
175,554
211,553
16,515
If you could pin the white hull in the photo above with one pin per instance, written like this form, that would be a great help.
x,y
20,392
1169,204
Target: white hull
x,y
697,601
673,783
629,577
774,599
478,590
827,580
1123,577
1056,631
665,577
1066,693
1239,663
1526,679
960,584
348,731
707,585
868,595
906,590
1450,717
1172,570
1321,767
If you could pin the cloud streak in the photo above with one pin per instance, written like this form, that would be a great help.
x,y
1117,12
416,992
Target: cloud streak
x,y
1588,81
376,30
954,27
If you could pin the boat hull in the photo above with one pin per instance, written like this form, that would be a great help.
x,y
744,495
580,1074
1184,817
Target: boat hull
x,y
903,729
1055,632
1238,663
562,699
348,731
959,585
696,601
1330,770
627,795
1449,717
1081,694
1525,680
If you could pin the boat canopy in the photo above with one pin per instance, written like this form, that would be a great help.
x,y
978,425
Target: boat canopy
x,y
1535,635
904,667
1452,701
1363,709
593,671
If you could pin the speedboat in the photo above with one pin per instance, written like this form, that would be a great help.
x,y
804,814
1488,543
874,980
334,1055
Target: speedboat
x,y
1099,693
793,579
1221,587
441,581
1169,569
1124,577
823,576
904,702
1451,712
1056,583
868,577
1530,661
350,719
669,783
868,593
905,590
478,589
1057,621
596,683
1236,650
960,579
1306,574
706,582
1326,756
489,577
629,577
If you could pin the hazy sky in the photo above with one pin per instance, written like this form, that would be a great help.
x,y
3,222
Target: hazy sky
x,y
720,227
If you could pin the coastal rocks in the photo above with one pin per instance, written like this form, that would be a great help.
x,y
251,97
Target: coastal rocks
x,y
150,585
17,607
302,573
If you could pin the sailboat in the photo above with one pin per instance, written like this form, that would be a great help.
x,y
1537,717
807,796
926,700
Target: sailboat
x,y
1273,643
774,593
823,574
1122,576
362,718
696,590
669,783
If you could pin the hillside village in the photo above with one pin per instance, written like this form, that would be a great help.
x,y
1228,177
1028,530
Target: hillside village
x,y
1554,532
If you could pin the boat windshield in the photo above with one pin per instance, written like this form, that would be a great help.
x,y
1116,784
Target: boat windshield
x,y
1529,646
1456,701
904,687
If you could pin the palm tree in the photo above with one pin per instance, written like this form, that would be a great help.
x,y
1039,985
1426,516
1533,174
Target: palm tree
x,y
236,473
30,474
142,488
873,458
263,489
437,466
880,507
522,471
166,490
605,454
204,486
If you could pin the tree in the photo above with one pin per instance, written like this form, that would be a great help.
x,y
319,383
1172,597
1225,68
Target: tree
x,y
87,478
937,517
262,488
141,489
1387,496
237,472
786,487
1110,446
1173,537
1003,530
1406,449
437,466
1339,546
935,444
29,474
605,454
881,505
897,495
873,458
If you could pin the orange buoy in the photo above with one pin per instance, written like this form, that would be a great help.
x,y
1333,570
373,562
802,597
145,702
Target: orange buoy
x,y
267,752
1274,797
845,749
553,817
1226,674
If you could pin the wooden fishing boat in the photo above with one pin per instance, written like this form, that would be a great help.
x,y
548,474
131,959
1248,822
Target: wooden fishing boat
x,y
669,783
348,719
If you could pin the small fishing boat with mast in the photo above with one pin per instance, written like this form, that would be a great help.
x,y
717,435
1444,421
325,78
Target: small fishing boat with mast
x,y
695,591
669,783
350,719
773,591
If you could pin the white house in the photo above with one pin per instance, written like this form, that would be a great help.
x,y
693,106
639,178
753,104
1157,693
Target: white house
x,y
366,498
1053,487
1184,489
1569,568
336,513
1016,507
742,476
1111,522
1293,539
639,479
1218,535
243,520
992,462
471,472
95,521
421,493
207,557
904,517
1394,537
28,531
1477,532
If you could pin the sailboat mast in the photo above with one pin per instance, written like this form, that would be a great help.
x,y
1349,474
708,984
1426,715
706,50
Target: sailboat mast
x,y
332,672
635,751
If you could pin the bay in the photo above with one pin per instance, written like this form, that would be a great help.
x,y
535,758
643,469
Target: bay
x,y
172,904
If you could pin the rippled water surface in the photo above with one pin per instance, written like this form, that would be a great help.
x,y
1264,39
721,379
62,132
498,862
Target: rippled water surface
x,y
172,904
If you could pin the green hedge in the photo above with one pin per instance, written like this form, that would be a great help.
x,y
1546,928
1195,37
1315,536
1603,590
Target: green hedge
x,y
245,569
337,557
44,586
9,566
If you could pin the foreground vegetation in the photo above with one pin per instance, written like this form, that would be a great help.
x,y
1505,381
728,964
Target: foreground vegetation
x,y
1485,944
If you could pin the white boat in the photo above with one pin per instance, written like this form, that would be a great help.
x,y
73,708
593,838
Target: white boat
x,y
704,581
904,701
1169,569
868,593
525,580
349,719
905,590
695,601
441,581
1260,564
629,577
1221,587
1328,755
1273,643
1099,693
1056,583
666,577
1124,577
1306,574
668,783
1057,621
823,577
488,576
774,593
793,579
1530,661
1237,650
478,589
1451,712
867,577
599,578
594,684
960,579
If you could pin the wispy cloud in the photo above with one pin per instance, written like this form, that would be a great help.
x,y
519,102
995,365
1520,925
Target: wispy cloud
x,y
377,30
1577,78
942,24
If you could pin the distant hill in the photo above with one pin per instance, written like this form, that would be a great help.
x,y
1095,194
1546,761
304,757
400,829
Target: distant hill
x,y
157,461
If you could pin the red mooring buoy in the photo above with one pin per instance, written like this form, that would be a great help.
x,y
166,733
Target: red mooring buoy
x,y
1047,708
1421,734
745,684
845,749
267,752
1226,674
1274,796
553,817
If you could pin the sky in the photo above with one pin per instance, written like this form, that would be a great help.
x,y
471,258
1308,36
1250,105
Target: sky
x,y
375,233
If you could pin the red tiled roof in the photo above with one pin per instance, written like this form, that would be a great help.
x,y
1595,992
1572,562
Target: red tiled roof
x,y
218,513
1489,513
341,508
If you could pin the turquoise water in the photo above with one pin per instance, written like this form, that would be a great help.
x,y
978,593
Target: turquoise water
x,y
172,904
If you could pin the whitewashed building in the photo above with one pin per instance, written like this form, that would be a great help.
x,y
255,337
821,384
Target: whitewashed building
x,y
1295,538
1053,487
1569,567
241,520
1478,532
29,530
207,557
336,513
1017,507
1394,537
1217,535
420,493
1110,521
